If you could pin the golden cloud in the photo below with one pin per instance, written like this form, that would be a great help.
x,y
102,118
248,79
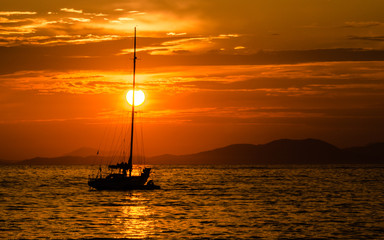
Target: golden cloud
x,y
71,10
10,13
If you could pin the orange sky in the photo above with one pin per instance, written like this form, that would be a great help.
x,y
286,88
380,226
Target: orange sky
x,y
214,72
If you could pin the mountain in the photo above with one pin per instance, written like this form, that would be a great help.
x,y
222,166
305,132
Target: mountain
x,y
4,162
283,151
82,152
373,151
68,160
65,160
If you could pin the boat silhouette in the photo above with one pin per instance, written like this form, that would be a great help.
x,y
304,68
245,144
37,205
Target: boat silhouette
x,y
123,178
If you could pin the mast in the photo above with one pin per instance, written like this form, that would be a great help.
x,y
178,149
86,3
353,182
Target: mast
x,y
133,103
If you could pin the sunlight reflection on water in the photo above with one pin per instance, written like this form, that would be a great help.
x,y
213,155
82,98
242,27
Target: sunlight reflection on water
x,y
196,202
134,220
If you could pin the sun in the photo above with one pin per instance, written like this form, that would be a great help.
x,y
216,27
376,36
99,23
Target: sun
x,y
139,97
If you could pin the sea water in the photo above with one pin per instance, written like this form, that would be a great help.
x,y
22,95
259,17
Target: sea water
x,y
224,202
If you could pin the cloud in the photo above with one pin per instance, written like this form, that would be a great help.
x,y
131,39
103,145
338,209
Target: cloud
x,y
23,26
368,38
5,22
292,80
310,79
10,13
96,14
64,22
105,52
255,29
71,10
362,24
181,43
46,82
56,40
176,34
327,97
83,20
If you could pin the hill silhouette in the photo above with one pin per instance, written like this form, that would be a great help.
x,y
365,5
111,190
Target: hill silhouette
x,y
4,162
374,151
283,151
82,152
65,160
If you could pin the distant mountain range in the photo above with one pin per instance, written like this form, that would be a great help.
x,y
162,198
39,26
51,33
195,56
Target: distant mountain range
x,y
283,151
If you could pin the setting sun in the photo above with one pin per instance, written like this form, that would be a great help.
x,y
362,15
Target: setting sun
x,y
139,97
265,115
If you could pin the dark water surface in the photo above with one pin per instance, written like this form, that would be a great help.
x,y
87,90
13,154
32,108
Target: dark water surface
x,y
238,202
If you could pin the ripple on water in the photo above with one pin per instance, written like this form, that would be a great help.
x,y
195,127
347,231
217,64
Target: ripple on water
x,y
223,202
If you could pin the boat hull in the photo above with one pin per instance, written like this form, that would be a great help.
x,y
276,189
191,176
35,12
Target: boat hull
x,y
121,185
122,182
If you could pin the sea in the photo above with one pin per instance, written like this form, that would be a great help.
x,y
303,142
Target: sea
x,y
196,202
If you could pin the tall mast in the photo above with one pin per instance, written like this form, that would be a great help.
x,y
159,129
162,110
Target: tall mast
x,y
133,103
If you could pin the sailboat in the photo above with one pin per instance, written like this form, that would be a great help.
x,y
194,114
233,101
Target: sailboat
x,y
123,178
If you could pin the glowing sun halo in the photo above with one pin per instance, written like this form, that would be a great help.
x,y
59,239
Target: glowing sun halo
x,y
139,97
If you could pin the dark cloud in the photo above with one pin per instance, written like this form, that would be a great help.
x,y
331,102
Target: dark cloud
x,y
254,19
367,38
107,56
362,24
304,84
9,24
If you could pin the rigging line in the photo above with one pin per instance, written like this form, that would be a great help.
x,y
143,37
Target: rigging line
x,y
137,145
103,136
125,142
99,156
113,136
120,147
112,142
103,148
141,137
113,149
